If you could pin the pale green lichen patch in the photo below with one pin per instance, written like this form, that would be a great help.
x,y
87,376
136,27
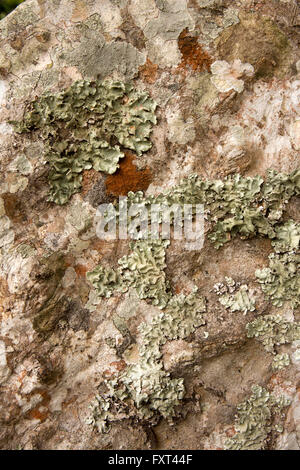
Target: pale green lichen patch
x,y
80,216
273,330
145,384
278,189
22,165
281,280
7,235
101,415
25,250
254,420
244,206
82,127
236,206
280,361
287,237
181,317
234,296
142,269
106,281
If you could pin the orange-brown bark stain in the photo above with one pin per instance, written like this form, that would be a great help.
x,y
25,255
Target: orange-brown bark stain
x,y
148,72
41,411
193,55
128,178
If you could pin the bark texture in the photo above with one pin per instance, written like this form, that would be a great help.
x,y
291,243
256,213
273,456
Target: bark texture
x,y
225,371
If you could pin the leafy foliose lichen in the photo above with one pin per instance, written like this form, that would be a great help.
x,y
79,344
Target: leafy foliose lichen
x,y
180,318
106,281
100,414
281,280
254,420
280,361
273,330
244,206
146,384
243,203
82,127
142,269
277,191
287,237
234,296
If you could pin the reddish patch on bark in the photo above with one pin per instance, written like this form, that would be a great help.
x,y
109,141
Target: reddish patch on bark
x,y
274,381
21,376
107,374
41,411
104,246
37,414
89,178
128,178
193,56
68,402
178,289
118,365
148,71
69,260
14,208
115,367
231,432
81,270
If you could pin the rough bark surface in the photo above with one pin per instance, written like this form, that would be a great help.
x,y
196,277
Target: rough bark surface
x,y
225,77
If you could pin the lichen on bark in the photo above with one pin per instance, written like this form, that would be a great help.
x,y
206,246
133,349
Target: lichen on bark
x,y
79,126
120,320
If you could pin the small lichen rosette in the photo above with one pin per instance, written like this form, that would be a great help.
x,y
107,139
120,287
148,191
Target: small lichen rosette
x,y
273,330
234,296
280,361
142,269
254,421
84,126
